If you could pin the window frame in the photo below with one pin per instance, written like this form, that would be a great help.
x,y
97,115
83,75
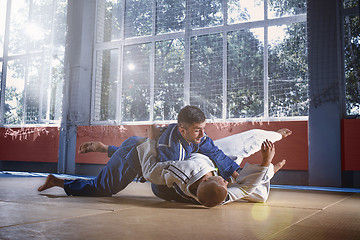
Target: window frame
x,y
187,34
6,59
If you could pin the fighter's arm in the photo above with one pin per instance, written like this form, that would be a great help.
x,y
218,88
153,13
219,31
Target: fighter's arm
x,y
163,173
152,169
111,150
249,179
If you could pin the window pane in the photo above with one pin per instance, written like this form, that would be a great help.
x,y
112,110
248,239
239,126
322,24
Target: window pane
x,y
138,18
60,25
1,65
206,62
245,93
33,90
39,27
108,25
279,8
29,95
288,71
352,66
54,93
136,83
2,25
351,3
205,13
106,85
170,16
14,92
169,79
18,26
245,11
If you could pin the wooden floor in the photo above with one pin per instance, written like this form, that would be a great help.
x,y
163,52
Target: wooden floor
x,y
136,213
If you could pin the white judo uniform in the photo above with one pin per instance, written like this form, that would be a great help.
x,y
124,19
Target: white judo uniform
x,y
252,184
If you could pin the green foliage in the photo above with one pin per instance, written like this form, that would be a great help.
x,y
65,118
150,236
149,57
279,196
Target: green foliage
x,y
288,78
169,79
206,74
138,18
352,66
170,16
136,83
14,106
205,13
245,75
285,7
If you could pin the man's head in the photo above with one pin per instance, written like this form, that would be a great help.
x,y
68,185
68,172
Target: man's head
x,y
191,123
212,191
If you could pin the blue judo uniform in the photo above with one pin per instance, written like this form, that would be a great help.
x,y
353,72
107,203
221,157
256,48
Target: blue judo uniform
x,y
124,166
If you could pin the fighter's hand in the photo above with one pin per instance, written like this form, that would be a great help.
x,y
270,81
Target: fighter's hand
x,y
153,132
235,174
267,151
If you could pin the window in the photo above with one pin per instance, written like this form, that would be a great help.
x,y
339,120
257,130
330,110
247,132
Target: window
x,y
234,59
32,50
352,56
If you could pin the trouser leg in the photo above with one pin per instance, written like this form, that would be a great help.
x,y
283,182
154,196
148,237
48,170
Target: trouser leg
x,y
260,187
114,177
241,145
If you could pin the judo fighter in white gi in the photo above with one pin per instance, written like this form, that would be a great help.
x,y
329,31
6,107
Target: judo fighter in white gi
x,y
197,177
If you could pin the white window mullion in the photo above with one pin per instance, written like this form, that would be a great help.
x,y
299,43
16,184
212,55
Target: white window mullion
x,y
51,53
187,53
26,75
43,89
266,65
119,86
152,63
266,74
119,101
99,29
224,105
152,81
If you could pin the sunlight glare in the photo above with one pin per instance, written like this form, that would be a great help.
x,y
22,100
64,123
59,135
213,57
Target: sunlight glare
x,y
34,32
131,67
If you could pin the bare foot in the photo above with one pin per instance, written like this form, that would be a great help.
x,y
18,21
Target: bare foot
x,y
93,147
279,165
284,132
51,181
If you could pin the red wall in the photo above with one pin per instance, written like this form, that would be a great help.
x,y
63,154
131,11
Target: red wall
x,y
293,148
110,135
351,145
33,144
40,144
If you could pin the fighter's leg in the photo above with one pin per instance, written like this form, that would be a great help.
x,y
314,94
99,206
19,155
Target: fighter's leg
x,y
114,177
244,144
262,191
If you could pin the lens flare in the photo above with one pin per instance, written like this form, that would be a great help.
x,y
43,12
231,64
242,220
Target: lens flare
x,y
260,212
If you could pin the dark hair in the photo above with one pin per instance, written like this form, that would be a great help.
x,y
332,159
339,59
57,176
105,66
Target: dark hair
x,y
191,115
